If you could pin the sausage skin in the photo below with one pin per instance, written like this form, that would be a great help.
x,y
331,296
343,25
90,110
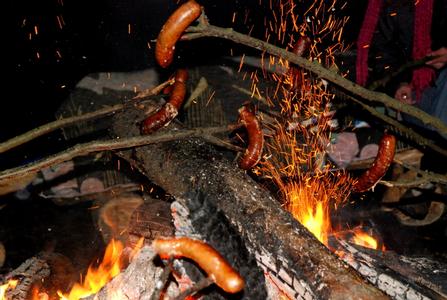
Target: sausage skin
x,y
253,153
173,29
382,162
301,48
217,268
170,110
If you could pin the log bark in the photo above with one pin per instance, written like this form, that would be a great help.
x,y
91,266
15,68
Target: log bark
x,y
138,281
196,174
401,277
47,272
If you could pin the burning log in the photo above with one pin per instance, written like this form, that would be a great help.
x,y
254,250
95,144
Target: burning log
x,y
47,272
138,281
288,253
401,277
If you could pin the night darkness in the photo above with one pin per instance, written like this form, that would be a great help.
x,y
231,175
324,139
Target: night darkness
x,y
57,42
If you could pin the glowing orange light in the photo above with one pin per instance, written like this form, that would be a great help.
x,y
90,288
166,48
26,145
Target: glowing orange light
x,y
97,277
11,284
364,239
308,203
295,153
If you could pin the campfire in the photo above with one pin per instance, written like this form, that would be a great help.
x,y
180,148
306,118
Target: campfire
x,y
253,206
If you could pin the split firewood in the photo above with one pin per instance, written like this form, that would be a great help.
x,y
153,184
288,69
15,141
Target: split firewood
x,y
45,273
137,281
399,276
114,216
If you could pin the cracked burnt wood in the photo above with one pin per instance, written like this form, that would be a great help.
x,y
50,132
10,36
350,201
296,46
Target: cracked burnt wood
x,y
138,281
399,276
282,247
47,272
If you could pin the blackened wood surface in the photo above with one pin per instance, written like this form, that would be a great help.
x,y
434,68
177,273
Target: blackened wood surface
x,y
46,272
183,167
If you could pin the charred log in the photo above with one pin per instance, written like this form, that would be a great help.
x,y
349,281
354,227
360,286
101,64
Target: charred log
x,y
47,272
282,247
401,277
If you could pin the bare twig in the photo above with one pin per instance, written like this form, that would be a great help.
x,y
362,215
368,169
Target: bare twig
x,y
410,65
205,30
162,280
405,184
423,141
107,145
203,283
430,176
222,143
426,176
61,123
153,91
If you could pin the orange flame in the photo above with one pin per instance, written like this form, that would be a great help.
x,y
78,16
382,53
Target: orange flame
x,y
366,240
97,277
309,205
295,153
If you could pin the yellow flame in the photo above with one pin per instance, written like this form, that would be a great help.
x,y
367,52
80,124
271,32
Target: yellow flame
x,y
97,277
308,203
316,222
364,239
296,151
11,284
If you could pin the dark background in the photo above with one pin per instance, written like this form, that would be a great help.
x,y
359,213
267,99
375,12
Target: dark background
x,y
42,69
94,38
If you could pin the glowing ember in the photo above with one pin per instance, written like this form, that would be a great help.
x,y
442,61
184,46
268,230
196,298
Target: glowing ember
x,y
11,284
295,158
363,239
97,277
309,205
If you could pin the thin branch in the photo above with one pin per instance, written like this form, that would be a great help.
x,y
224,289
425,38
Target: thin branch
x,y
115,144
205,30
154,91
61,123
163,279
410,65
405,184
430,176
222,143
400,127
203,283
426,176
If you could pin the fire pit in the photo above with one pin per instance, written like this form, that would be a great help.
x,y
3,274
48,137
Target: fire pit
x,y
275,216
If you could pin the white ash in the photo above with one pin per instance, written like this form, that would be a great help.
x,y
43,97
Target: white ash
x,y
120,81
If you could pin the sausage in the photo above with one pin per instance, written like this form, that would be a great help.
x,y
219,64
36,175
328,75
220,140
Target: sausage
x,y
253,152
217,268
170,110
382,162
173,29
301,48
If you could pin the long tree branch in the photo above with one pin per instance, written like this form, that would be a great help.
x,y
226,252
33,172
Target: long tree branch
x,y
206,30
49,127
401,127
61,123
115,144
